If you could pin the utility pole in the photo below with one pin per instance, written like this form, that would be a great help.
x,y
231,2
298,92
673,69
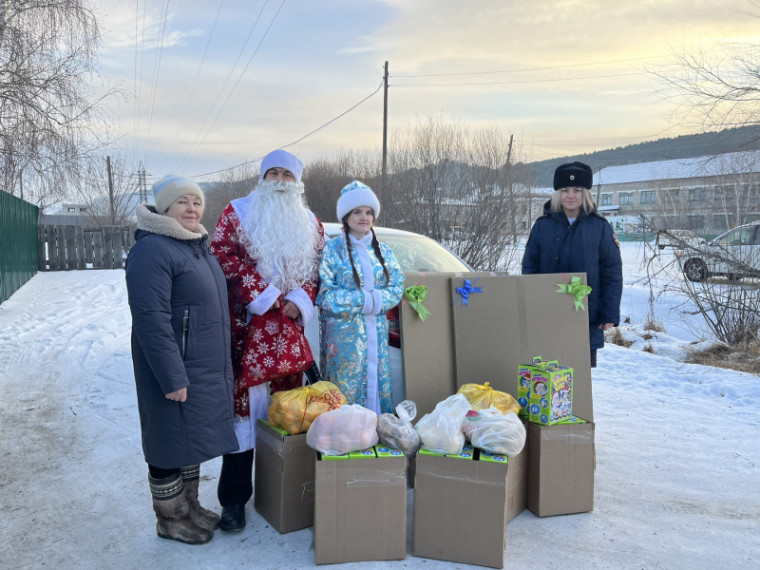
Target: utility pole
x,y
110,190
599,185
385,124
511,189
143,192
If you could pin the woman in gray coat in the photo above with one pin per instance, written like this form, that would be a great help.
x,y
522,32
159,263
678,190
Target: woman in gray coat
x,y
181,356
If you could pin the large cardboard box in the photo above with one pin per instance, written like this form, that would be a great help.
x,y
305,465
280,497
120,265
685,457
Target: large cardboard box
x,y
427,347
284,481
460,510
514,318
360,510
560,468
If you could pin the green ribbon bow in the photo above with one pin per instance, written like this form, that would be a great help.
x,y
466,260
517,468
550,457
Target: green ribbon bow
x,y
415,295
577,289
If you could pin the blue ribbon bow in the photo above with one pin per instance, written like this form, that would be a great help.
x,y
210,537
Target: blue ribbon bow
x,y
466,289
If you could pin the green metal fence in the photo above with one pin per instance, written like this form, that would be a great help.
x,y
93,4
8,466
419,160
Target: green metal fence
x,y
19,254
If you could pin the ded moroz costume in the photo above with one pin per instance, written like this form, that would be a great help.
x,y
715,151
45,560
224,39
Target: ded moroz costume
x,y
268,245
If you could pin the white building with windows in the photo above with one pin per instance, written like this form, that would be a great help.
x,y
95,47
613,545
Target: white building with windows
x,y
706,194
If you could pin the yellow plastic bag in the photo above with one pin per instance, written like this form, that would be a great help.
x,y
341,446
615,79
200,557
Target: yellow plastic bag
x,y
294,410
482,396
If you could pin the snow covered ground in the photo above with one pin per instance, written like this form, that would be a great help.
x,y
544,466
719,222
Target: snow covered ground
x,y
677,451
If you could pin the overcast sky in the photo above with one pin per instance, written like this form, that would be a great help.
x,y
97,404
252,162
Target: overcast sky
x,y
214,83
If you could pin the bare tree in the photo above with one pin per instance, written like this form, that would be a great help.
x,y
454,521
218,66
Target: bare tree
x,y
109,202
719,88
233,184
459,186
323,180
47,120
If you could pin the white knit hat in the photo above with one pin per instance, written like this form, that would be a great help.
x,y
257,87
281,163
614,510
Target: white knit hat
x,y
283,159
171,187
354,195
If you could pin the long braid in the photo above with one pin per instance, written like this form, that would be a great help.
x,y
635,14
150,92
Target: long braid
x,y
350,255
378,253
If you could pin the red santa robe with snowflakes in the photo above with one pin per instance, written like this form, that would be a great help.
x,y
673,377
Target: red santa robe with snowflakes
x,y
269,347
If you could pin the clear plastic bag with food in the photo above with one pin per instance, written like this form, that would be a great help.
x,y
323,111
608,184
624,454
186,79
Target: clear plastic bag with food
x,y
396,430
495,432
349,428
441,430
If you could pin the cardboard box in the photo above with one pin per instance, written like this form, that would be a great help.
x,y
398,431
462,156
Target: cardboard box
x,y
560,468
551,394
517,483
284,482
360,509
515,318
460,510
427,347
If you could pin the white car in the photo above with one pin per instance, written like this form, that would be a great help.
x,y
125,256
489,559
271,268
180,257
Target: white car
x,y
734,254
678,239
414,252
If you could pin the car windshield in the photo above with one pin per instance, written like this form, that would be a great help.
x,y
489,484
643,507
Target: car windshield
x,y
738,236
414,252
418,253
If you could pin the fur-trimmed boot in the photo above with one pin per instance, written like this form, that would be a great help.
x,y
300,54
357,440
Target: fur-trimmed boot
x,y
173,512
202,517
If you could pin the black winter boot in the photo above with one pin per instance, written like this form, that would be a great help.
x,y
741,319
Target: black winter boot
x,y
202,517
235,489
173,512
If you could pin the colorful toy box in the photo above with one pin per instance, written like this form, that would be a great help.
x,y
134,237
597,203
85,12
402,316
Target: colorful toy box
x,y
551,393
525,374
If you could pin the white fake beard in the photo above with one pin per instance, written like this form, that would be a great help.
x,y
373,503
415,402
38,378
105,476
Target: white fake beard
x,y
280,234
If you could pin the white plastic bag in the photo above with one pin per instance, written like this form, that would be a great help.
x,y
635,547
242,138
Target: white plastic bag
x,y
498,433
349,428
397,431
441,430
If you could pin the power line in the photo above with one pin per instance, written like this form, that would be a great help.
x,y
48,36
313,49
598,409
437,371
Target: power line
x,y
198,140
156,72
195,82
336,118
523,82
523,69
298,140
138,74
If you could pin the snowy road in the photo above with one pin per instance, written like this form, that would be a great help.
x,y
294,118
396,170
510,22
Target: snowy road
x,y
676,478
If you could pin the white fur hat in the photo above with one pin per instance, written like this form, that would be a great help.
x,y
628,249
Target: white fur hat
x,y
171,187
283,159
354,195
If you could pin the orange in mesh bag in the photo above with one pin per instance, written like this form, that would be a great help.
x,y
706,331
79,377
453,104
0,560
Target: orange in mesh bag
x,y
294,410
482,396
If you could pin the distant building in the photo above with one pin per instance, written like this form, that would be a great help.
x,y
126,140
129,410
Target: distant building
x,y
66,214
707,194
